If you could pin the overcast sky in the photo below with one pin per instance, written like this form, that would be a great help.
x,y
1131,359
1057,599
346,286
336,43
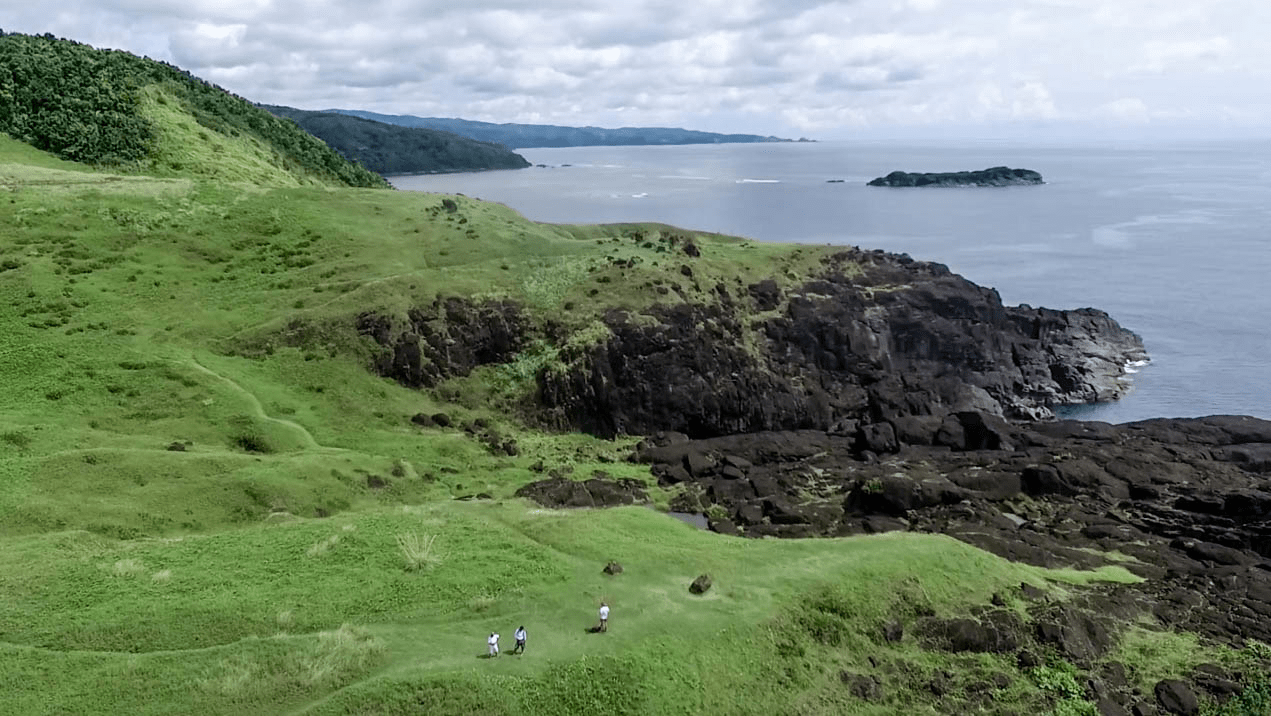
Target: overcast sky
x,y
792,68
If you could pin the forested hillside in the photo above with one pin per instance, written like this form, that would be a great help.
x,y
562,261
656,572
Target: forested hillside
x,y
392,149
98,107
524,136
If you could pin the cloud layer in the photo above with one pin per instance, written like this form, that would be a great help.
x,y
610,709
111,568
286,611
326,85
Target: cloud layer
x,y
796,67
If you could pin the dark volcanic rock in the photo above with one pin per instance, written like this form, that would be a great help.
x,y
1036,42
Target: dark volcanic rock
x,y
958,635
701,584
866,688
871,341
1169,493
595,492
1176,697
448,338
993,176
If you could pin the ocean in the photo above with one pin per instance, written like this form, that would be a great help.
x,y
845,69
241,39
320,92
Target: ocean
x,y
1172,241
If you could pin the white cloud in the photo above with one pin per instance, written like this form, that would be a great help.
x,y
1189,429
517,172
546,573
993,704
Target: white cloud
x,y
1130,110
1183,55
768,66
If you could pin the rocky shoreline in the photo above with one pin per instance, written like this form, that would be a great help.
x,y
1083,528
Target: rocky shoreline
x,y
869,337
881,394
1184,504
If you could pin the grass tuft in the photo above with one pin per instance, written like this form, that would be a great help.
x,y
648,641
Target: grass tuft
x,y
127,568
321,547
417,550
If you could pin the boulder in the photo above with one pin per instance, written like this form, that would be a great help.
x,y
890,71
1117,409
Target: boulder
x,y
612,568
968,635
865,688
1075,633
878,438
700,585
1176,697
595,492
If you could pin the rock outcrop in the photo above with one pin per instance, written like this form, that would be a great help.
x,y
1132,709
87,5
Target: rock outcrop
x,y
1180,498
868,337
597,491
993,176
873,337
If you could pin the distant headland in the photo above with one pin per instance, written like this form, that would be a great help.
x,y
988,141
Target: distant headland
x,y
993,176
528,136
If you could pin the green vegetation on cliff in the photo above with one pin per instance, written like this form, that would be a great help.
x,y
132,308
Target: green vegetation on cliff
x,y
390,149
89,105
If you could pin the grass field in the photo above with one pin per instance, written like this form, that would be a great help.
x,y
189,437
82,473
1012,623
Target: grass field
x,y
199,517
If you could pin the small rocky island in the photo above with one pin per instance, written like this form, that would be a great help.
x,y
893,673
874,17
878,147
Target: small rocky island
x,y
993,176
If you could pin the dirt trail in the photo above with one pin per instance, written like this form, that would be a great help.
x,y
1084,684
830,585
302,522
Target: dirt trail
x,y
305,435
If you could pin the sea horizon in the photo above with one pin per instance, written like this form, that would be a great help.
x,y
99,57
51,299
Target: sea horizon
x,y
1166,237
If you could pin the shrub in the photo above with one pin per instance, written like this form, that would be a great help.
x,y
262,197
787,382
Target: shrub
x,y
17,439
253,442
418,550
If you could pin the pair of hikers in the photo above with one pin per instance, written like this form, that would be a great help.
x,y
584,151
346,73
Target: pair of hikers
x,y
493,642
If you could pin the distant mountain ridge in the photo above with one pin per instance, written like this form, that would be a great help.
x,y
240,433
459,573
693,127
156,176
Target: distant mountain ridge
x,y
527,136
395,149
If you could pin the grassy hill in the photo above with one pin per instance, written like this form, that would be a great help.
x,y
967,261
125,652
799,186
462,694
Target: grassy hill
x,y
200,516
390,149
112,108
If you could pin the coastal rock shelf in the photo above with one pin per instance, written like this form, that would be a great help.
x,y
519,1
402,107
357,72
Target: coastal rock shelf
x,y
870,336
993,176
1186,500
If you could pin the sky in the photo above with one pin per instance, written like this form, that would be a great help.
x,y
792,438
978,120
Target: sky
x,y
793,68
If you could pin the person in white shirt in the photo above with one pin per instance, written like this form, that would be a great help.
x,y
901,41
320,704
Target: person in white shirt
x,y
604,617
493,641
520,641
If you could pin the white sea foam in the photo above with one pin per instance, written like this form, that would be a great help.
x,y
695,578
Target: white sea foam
x,y
1133,366
641,195
758,181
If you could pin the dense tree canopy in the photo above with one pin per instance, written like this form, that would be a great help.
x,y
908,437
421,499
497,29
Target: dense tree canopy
x,y
390,149
81,104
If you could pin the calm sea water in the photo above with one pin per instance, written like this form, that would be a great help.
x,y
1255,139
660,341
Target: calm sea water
x,y
1173,241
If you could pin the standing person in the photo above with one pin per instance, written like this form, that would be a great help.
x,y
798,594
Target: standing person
x,y
493,642
604,617
520,641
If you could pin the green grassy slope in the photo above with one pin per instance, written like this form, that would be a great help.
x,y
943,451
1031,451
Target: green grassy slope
x,y
197,518
105,107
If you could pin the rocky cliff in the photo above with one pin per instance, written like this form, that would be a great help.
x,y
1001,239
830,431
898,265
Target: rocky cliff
x,y
993,176
871,337
874,336
879,393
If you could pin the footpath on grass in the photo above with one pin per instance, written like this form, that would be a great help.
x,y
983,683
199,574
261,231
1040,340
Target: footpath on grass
x,y
259,409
